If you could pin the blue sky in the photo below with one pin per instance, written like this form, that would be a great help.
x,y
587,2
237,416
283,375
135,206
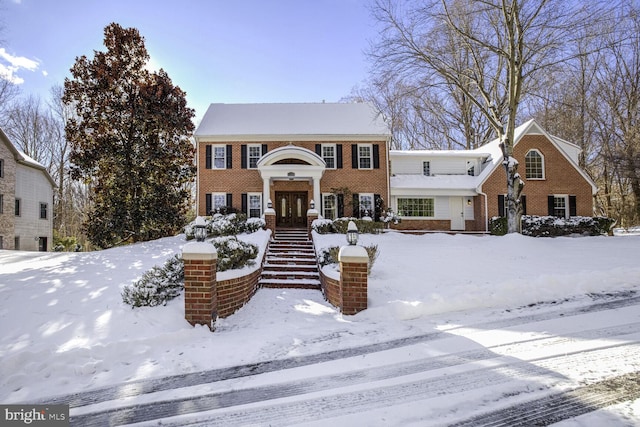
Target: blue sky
x,y
216,50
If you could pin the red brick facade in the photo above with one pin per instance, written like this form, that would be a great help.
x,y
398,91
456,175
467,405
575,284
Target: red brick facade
x,y
560,178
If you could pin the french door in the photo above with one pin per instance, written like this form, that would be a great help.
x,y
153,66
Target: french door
x,y
291,209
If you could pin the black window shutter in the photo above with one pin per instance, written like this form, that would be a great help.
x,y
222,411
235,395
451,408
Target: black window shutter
x,y
550,205
209,206
245,209
340,203
264,149
501,205
339,156
229,157
573,207
377,203
319,149
523,203
356,205
354,156
208,157
376,156
229,200
243,156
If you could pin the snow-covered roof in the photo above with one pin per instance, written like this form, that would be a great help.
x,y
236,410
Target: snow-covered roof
x,y
291,120
25,160
439,153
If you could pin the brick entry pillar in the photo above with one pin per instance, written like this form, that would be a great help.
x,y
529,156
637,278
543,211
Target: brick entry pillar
x,y
270,219
200,293
312,215
353,279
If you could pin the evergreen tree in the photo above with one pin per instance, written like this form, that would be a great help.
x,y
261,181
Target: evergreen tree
x,y
130,142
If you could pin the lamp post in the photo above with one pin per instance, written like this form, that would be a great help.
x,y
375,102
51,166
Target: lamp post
x,y
200,229
352,233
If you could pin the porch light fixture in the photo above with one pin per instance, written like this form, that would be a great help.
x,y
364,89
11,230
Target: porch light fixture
x,y
269,204
352,233
312,205
468,202
200,229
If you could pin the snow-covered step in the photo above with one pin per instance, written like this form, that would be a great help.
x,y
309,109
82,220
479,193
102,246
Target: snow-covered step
x,y
296,254
290,260
290,283
289,274
293,267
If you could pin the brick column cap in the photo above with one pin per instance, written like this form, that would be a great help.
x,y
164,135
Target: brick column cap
x,y
312,212
269,211
353,253
199,251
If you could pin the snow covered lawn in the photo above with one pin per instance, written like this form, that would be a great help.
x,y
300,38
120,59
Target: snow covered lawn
x,y
64,328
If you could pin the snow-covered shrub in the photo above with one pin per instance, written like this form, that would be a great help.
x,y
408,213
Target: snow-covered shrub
x,y
389,216
156,286
323,226
498,225
234,253
330,256
549,226
364,227
254,224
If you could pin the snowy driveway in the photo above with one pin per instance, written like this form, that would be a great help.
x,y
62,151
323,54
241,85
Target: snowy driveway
x,y
565,358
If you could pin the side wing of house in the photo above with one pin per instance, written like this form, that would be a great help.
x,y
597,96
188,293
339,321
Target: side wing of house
x,y
8,166
436,190
554,183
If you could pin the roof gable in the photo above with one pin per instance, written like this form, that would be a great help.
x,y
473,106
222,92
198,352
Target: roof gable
x,y
23,159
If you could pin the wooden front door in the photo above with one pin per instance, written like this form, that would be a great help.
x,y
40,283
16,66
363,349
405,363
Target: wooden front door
x,y
291,209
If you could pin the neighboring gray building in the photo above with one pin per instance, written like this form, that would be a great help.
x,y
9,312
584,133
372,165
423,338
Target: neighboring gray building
x,y
26,201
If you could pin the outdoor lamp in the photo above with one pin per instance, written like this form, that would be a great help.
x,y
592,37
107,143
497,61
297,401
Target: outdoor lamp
x,y
352,233
269,204
312,204
200,229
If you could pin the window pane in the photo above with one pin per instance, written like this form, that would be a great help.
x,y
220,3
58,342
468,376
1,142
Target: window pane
x,y
329,203
533,165
328,155
416,207
255,205
426,168
366,204
219,200
364,156
219,157
560,206
255,152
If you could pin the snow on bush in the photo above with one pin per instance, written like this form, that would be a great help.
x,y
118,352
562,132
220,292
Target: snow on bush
x,y
227,225
327,226
330,256
157,286
234,253
550,226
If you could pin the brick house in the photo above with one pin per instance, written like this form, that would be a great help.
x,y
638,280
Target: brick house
x,y
337,156
26,200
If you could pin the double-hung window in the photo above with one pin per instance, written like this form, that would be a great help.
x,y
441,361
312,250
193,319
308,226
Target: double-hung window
x,y
43,210
329,155
560,206
255,205
254,152
426,168
218,200
1,168
18,210
329,206
366,204
219,156
364,156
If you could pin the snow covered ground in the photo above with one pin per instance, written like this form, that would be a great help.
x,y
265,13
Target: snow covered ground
x,y
64,328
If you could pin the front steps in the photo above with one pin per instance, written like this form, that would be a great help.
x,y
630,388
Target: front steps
x,y
290,261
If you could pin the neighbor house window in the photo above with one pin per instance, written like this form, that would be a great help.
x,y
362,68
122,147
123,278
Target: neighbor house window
x,y
2,243
17,207
329,155
1,204
254,153
16,243
43,210
364,156
1,168
534,165
416,207
329,206
365,203
255,205
471,169
426,168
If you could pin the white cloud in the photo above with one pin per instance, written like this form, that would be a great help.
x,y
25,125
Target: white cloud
x,y
13,64
45,73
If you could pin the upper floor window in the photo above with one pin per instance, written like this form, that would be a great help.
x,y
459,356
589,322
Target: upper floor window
x,y
426,168
329,155
17,207
471,169
43,210
364,156
1,168
218,157
534,165
254,154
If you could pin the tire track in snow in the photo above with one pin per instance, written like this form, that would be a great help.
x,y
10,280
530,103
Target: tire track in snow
x,y
473,377
140,387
